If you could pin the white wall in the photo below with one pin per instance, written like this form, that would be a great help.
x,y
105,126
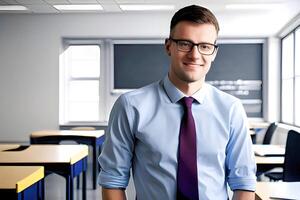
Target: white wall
x,y
29,60
272,81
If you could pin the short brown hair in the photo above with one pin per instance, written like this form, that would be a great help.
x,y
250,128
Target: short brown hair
x,y
194,13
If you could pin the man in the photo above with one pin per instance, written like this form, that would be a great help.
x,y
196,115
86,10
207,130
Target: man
x,y
182,138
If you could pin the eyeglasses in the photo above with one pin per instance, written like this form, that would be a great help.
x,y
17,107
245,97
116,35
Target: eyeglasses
x,y
187,46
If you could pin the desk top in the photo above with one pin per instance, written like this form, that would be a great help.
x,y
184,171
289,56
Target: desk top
x,y
83,128
258,124
276,152
272,160
45,154
277,190
83,133
269,150
4,147
20,177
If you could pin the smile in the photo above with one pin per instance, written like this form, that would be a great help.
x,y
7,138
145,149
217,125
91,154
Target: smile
x,y
193,64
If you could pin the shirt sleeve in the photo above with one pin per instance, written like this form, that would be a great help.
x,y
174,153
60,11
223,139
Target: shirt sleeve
x,y
240,159
116,155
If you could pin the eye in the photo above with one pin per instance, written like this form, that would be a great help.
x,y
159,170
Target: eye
x,y
184,44
206,46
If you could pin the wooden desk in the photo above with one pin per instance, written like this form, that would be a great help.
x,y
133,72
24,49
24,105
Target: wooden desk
x,y
266,163
4,147
281,190
258,124
22,182
66,160
93,138
269,150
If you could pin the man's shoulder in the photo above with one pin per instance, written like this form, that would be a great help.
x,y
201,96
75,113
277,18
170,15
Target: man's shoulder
x,y
143,94
220,96
223,102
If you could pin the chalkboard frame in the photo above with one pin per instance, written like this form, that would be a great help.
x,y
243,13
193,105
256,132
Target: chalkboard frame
x,y
117,91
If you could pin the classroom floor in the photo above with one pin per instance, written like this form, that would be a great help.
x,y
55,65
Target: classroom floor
x,y
55,186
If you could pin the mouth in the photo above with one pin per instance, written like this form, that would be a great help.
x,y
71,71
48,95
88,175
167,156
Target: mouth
x,y
193,65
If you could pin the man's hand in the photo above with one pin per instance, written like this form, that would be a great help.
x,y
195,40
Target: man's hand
x,y
243,195
113,194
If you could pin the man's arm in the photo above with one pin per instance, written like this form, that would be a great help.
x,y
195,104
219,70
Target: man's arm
x,y
240,159
243,195
117,150
113,194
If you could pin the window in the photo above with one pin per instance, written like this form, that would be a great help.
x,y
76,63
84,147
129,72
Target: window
x,y
297,77
290,79
80,84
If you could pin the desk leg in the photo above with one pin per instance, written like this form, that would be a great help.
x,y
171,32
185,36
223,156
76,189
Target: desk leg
x,y
84,185
94,166
69,188
42,189
78,182
253,138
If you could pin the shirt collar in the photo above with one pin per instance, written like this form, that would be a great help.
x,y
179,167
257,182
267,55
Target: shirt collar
x,y
175,94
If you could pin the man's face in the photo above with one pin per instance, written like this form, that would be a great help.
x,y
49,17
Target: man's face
x,y
189,67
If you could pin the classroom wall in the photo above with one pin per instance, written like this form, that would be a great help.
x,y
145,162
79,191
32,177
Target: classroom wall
x,y
29,61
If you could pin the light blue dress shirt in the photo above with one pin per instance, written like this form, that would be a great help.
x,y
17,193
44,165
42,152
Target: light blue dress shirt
x,y
143,133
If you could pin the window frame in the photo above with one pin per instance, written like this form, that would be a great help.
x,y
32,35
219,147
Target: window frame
x,y
64,81
293,78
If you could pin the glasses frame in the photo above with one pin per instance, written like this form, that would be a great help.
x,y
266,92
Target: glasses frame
x,y
194,44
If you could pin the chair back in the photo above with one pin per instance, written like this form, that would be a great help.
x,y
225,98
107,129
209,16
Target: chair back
x,y
291,170
269,133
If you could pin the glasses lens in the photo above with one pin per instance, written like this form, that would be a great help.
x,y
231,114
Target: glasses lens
x,y
184,45
187,46
206,48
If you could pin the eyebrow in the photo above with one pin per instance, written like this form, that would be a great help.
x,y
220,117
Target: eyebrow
x,y
195,42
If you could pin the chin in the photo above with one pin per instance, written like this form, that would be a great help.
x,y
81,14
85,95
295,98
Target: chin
x,y
191,79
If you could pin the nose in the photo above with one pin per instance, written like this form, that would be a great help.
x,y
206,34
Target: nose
x,y
194,53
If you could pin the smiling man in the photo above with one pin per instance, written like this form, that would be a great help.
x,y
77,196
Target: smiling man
x,y
182,138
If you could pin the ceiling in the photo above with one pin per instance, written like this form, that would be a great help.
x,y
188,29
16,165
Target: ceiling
x,y
46,6
268,20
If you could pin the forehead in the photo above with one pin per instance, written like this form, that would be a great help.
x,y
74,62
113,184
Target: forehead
x,y
194,32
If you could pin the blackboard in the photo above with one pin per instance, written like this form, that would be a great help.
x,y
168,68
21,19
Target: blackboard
x,y
237,61
136,65
237,70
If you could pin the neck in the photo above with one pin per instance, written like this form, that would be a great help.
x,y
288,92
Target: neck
x,y
188,88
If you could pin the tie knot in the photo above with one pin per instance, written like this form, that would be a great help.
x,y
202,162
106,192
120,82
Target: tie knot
x,y
187,101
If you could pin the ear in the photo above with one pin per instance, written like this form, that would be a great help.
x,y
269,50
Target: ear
x,y
167,46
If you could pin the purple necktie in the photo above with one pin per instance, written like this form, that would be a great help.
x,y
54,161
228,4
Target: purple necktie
x,y
187,182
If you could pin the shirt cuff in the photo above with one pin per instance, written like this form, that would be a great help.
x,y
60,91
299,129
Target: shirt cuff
x,y
242,184
111,181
